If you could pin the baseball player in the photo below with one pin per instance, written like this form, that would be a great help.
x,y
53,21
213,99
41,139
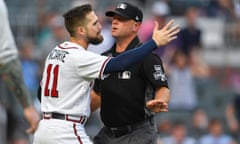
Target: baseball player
x,y
69,71
11,73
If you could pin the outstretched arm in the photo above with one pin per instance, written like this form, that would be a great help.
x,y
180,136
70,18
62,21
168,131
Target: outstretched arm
x,y
131,57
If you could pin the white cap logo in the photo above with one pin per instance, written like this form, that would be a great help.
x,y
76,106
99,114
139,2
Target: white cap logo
x,y
137,18
122,6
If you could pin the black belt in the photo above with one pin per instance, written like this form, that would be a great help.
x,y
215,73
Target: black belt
x,y
67,117
120,131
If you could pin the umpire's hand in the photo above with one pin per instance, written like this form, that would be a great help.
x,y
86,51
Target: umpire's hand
x,y
157,105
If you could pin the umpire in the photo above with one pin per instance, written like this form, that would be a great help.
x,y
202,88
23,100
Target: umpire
x,y
130,98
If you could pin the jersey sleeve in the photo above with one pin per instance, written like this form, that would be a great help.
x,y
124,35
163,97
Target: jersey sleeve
x,y
154,71
90,65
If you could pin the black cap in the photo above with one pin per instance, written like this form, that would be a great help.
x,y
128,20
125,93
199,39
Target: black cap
x,y
128,11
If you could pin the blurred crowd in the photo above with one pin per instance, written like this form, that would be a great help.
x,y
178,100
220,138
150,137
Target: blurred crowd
x,y
205,93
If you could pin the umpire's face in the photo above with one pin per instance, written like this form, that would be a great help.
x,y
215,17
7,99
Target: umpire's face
x,y
93,29
123,27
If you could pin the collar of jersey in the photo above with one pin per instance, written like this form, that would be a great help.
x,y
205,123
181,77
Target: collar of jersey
x,y
69,45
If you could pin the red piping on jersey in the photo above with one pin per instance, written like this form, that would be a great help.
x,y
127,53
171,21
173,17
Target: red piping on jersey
x,y
67,47
81,120
75,132
103,66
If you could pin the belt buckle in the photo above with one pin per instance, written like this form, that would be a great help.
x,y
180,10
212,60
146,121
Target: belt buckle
x,y
114,131
47,115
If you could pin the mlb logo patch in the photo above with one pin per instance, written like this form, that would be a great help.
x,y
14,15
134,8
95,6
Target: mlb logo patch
x,y
122,6
124,75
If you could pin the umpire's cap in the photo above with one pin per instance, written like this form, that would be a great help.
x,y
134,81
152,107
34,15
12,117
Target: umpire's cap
x,y
128,11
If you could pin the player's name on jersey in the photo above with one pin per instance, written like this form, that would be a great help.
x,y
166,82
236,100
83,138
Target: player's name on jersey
x,y
58,55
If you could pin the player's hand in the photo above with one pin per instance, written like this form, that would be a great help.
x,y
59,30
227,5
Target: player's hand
x,y
157,105
166,34
32,117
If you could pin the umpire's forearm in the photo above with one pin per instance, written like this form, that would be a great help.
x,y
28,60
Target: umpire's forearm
x,y
163,93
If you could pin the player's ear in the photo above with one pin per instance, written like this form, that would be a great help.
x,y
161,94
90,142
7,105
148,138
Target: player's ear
x,y
81,30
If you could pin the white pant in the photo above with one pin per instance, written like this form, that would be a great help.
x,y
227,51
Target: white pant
x,y
54,131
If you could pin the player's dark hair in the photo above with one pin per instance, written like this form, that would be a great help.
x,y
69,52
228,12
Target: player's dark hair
x,y
76,17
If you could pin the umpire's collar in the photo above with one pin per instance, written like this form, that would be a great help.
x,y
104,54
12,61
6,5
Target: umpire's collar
x,y
133,44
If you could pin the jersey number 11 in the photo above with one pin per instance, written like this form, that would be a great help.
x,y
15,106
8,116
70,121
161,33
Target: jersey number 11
x,y
53,92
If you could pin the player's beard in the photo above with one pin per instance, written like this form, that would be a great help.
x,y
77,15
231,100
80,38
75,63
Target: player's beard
x,y
95,40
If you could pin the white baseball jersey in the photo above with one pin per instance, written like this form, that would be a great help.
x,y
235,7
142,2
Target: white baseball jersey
x,y
67,77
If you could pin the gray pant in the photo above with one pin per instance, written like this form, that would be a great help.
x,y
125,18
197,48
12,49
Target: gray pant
x,y
143,135
3,124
